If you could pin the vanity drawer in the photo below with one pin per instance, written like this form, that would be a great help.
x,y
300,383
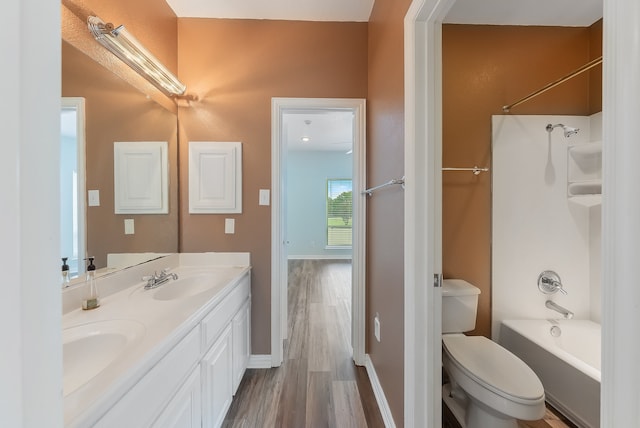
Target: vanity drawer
x,y
142,404
221,315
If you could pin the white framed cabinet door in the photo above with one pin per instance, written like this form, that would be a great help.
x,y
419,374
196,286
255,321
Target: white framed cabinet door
x,y
241,343
185,408
217,392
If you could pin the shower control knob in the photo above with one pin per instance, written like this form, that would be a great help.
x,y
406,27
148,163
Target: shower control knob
x,y
549,282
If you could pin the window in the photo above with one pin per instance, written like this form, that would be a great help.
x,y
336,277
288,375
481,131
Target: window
x,y
339,213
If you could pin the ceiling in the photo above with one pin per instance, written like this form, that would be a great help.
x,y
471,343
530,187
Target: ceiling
x,y
331,131
495,12
326,130
298,10
564,13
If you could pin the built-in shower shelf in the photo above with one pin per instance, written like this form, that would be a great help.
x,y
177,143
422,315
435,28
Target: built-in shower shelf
x,y
584,173
586,200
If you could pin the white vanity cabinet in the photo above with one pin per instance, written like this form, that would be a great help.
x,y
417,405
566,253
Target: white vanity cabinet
x,y
226,359
193,384
143,403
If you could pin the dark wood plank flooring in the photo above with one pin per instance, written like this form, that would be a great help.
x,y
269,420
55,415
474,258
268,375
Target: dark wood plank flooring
x,y
317,385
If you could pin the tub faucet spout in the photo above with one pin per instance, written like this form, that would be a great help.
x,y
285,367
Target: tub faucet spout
x,y
556,307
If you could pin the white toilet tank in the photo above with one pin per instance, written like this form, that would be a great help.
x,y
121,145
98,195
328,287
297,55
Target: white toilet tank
x,y
459,306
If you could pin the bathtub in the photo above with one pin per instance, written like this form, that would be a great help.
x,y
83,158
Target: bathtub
x,y
568,364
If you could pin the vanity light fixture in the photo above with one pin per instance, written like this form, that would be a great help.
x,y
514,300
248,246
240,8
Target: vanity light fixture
x,y
126,47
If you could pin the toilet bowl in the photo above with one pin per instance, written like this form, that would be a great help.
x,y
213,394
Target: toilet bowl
x,y
489,386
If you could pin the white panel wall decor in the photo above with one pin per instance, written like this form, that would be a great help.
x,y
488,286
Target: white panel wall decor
x,y
141,177
535,226
215,177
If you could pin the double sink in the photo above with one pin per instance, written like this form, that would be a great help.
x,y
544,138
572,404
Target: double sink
x,y
98,349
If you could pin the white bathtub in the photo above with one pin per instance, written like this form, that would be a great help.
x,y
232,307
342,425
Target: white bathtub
x,y
567,365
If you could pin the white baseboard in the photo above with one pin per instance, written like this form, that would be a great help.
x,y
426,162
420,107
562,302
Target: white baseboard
x,y
259,361
321,257
379,393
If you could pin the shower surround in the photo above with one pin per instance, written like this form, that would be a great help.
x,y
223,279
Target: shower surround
x,y
535,226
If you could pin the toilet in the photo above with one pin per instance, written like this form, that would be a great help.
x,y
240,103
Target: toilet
x,y
488,386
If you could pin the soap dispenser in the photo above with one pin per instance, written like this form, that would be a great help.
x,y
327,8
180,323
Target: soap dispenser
x,y
65,272
91,301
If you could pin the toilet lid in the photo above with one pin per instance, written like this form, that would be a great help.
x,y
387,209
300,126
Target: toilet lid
x,y
493,366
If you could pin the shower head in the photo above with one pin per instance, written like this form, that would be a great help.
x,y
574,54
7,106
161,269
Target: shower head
x,y
568,130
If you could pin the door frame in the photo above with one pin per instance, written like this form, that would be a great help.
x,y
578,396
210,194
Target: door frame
x,y
279,273
620,209
423,212
78,104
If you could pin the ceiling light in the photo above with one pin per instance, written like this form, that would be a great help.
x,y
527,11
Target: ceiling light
x,y
305,139
123,45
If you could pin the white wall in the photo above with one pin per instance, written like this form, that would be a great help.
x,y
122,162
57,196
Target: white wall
x,y
307,174
30,307
535,226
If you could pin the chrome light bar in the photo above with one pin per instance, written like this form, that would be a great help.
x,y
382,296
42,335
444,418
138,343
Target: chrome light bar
x,y
126,47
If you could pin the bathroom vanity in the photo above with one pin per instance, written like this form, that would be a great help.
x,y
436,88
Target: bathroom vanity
x,y
171,356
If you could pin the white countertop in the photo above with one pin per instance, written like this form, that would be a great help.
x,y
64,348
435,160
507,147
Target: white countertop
x,y
164,323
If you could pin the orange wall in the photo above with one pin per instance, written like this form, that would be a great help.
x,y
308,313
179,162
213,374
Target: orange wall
x,y
595,75
484,68
235,67
385,211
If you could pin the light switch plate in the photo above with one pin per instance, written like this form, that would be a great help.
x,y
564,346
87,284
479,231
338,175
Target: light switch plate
x,y
94,198
264,197
129,226
229,225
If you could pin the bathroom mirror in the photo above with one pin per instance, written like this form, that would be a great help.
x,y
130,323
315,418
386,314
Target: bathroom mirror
x,y
117,112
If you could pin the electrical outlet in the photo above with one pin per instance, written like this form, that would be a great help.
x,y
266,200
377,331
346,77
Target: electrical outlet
x,y
376,327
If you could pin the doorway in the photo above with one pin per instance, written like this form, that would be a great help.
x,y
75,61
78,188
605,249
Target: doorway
x,y
72,184
303,109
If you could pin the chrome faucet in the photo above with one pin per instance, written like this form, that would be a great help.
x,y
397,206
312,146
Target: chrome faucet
x,y
157,279
566,313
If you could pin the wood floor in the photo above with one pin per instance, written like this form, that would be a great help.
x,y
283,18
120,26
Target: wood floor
x,y
317,385
551,419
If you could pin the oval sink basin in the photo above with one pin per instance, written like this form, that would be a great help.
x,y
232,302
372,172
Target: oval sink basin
x,y
188,286
90,348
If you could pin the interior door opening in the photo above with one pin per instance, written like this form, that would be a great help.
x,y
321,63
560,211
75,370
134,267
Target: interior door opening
x,y
72,184
317,211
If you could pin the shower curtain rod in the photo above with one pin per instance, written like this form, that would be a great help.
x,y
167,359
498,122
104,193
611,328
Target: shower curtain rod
x,y
551,85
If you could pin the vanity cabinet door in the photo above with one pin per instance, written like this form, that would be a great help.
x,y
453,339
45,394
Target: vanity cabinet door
x,y
185,408
217,392
148,398
241,343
